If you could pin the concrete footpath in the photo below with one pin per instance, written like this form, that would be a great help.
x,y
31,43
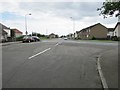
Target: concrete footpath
x,y
109,65
9,43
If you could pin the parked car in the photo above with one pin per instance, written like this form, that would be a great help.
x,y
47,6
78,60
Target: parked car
x,y
28,39
36,38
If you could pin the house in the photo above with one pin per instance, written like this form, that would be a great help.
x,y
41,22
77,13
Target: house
x,y
114,33
96,31
77,34
52,35
110,33
117,30
17,33
3,36
5,33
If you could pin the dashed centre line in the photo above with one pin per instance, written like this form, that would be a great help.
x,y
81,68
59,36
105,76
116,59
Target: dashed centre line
x,y
39,53
56,44
42,52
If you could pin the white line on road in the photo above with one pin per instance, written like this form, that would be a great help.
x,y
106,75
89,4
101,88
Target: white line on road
x,y
104,83
39,53
57,44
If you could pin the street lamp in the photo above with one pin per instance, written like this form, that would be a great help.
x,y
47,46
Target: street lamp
x,y
73,25
26,23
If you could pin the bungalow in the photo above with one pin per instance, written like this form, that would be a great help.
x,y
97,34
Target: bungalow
x,y
17,33
97,31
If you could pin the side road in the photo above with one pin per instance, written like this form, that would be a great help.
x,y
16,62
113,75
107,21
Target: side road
x,y
109,65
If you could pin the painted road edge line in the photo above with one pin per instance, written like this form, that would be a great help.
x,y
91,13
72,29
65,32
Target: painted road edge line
x,y
39,53
103,80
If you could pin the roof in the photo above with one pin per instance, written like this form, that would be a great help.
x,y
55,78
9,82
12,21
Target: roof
x,y
84,29
77,31
4,32
17,31
3,26
52,34
117,25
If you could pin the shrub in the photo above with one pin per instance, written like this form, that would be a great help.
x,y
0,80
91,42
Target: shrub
x,y
93,38
114,38
19,38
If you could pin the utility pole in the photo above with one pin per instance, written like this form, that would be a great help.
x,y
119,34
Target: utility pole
x,y
73,25
26,23
46,31
119,16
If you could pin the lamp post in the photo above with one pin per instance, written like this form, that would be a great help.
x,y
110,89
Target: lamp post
x,y
26,23
119,16
73,25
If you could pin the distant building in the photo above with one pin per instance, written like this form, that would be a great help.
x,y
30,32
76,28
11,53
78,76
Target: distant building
x,y
17,33
69,36
97,31
52,35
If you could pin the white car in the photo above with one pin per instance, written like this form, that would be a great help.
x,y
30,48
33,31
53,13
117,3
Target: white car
x,y
65,38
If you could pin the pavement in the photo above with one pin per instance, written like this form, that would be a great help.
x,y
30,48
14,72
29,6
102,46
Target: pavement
x,y
9,43
55,63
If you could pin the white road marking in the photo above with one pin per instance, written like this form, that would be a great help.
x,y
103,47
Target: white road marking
x,y
104,83
39,53
57,44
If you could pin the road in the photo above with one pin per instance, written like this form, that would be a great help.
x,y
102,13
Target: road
x,y
53,63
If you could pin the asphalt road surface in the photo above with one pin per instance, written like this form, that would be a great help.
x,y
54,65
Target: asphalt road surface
x,y
53,63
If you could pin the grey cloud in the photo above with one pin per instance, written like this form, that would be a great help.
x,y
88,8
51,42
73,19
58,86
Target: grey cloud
x,y
78,10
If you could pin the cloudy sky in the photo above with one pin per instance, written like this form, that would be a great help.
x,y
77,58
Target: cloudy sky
x,y
52,17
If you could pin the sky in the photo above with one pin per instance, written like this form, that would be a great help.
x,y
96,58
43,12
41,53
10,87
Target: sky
x,y
52,16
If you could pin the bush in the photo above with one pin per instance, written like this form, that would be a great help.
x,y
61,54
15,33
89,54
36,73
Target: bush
x,y
114,38
19,38
77,38
93,38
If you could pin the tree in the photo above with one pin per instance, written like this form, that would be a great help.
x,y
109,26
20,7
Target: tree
x,y
110,9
